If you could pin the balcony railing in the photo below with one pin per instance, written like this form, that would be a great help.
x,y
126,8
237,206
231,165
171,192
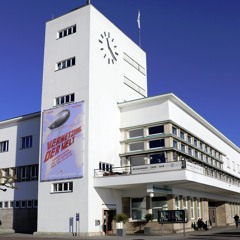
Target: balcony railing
x,y
170,166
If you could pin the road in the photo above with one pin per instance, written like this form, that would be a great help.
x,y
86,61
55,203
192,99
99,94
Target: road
x,y
213,234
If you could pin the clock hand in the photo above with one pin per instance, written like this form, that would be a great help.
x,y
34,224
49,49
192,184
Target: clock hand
x,y
114,58
110,50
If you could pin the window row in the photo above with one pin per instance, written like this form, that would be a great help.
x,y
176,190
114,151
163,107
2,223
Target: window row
x,y
65,63
134,64
139,206
26,142
19,204
62,187
20,174
139,132
134,86
67,31
138,146
155,158
64,99
195,142
192,152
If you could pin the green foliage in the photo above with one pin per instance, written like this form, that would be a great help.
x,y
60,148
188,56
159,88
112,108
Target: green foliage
x,y
149,217
121,217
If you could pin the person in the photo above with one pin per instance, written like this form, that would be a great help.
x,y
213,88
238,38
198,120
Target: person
x,y
236,218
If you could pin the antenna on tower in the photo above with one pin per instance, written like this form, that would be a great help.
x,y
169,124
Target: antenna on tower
x,y
88,2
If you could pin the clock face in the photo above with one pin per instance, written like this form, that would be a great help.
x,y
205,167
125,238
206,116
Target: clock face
x,y
108,47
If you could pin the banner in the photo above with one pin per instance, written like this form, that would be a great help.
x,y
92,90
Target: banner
x,y
62,142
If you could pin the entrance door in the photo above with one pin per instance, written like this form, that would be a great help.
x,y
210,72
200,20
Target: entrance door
x,y
108,216
212,216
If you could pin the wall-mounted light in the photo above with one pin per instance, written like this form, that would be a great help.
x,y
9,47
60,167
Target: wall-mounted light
x,y
151,195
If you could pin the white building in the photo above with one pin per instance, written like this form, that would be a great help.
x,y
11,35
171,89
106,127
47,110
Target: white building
x,y
107,148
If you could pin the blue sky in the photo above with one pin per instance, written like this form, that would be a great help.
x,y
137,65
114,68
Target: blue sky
x,y
192,46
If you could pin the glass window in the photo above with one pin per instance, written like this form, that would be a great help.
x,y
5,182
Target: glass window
x,y
195,142
137,160
182,147
157,158
136,146
196,154
65,99
157,143
174,131
67,31
175,144
4,146
190,151
158,203
192,209
26,142
62,187
189,139
138,208
182,135
136,133
156,130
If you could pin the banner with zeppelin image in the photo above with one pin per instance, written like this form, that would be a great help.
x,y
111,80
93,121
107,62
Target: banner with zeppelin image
x,y
62,142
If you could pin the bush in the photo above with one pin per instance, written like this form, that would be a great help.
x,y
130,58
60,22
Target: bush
x,y
148,217
121,217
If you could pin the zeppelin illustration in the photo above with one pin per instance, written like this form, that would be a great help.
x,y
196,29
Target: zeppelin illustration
x,y
60,119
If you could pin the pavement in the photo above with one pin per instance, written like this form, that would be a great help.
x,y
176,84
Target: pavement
x,y
218,233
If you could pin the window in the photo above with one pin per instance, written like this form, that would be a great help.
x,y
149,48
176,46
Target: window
x,y
135,133
23,204
183,148
34,172
185,203
62,187
134,86
6,204
138,208
157,158
17,204
158,203
35,203
189,139
137,160
192,209
134,63
11,204
64,99
177,203
174,131
67,31
196,154
175,144
156,130
65,63
182,135
198,208
26,142
189,151
29,203
105,166
136,146
4,146
195,142
24,173
1,204
157,143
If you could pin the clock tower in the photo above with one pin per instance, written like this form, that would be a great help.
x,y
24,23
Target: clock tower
x,y
90,65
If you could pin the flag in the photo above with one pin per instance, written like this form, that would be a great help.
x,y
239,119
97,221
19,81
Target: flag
x,y
138,19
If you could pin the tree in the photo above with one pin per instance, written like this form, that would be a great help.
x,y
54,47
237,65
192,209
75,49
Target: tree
x,y
7,182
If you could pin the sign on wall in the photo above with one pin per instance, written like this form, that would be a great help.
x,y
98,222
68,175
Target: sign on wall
x,y
62,142
172,216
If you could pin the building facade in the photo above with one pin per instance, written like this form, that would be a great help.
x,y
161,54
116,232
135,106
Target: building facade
x,y
106,147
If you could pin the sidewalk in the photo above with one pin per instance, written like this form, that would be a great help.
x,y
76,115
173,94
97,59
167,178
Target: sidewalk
x,y
230,231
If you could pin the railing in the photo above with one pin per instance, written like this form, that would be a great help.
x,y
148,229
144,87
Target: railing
x,y
170,166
